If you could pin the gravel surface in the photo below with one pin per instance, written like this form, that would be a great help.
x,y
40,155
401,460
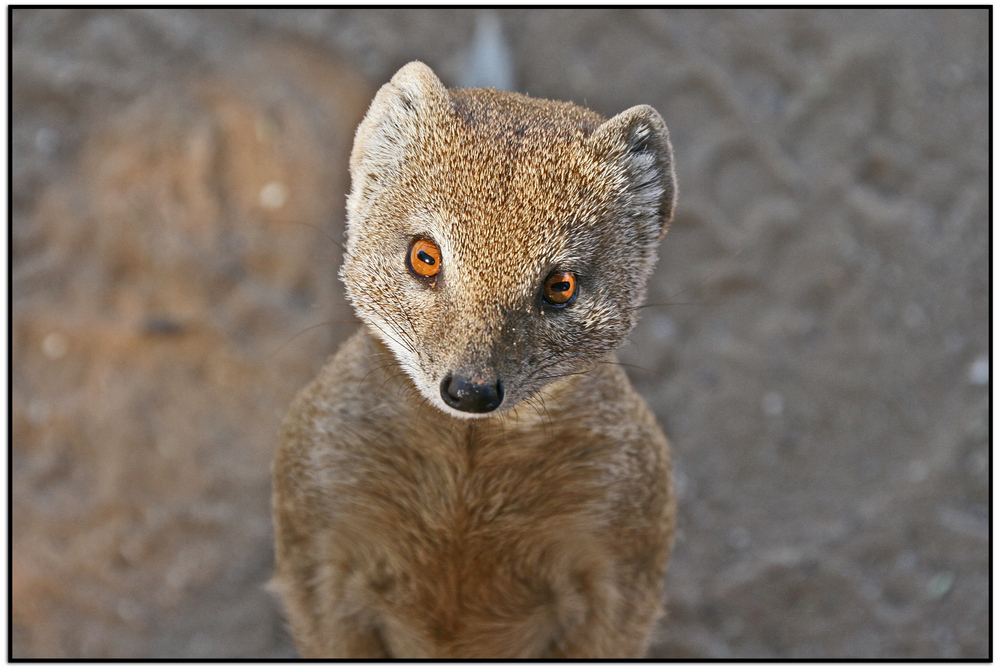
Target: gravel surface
x,y
817,346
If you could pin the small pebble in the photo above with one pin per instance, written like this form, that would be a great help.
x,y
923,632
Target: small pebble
x,y
979,371
773,404
274,195
55,346
939,585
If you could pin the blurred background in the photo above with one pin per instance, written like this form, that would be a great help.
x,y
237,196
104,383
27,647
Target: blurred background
x,y
817,348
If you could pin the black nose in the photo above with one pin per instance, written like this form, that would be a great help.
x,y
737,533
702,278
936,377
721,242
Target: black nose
x,y
464,395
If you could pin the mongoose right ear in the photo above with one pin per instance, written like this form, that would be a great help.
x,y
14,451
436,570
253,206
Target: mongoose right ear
x,y
394,121
638,138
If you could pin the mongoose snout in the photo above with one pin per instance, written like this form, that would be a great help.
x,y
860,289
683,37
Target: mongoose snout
x,y
471,395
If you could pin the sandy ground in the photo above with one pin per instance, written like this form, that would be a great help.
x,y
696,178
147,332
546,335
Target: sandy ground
x,y
818,349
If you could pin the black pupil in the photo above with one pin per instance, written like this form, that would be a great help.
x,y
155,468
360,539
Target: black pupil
x,y
561,286
424,257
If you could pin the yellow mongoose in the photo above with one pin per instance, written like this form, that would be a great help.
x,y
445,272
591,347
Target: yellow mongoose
x,y
472,474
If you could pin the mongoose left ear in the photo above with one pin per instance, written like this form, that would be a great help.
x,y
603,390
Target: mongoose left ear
x,y
638,139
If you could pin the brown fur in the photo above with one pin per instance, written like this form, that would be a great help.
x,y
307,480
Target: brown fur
x,y
405,527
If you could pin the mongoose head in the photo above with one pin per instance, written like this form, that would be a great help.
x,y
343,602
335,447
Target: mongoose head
x,y
498,242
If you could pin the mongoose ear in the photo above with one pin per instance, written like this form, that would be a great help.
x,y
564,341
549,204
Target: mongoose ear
x,y
638,138
394,120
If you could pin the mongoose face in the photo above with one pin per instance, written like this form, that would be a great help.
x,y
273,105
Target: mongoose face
x,y
496,242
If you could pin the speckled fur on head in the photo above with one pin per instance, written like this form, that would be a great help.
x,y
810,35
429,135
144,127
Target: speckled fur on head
x,y
509,188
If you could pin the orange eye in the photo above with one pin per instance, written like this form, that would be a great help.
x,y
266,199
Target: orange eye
x,y
560,288
424,259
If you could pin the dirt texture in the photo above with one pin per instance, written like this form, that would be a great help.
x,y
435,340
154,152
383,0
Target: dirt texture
x,y
817,345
